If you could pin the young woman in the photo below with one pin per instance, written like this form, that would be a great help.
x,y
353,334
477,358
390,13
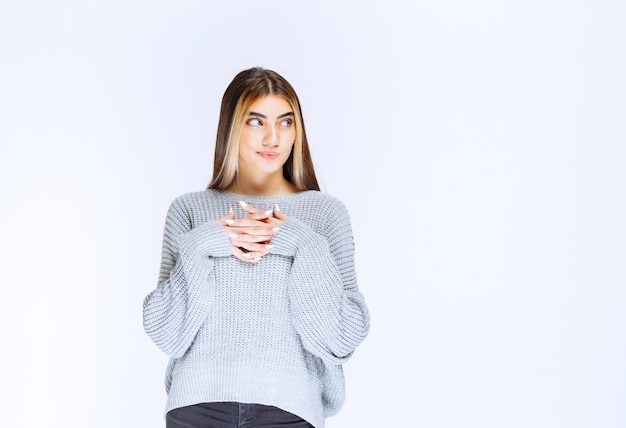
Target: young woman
x,y
257,300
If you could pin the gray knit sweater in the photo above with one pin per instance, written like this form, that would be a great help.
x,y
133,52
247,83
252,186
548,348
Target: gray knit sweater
x,y
275,332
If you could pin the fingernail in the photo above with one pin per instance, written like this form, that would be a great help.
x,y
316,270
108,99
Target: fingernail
x,y
229,221
230,210
247,255
268,212
269,247
233,235
277,209
243,204
258,259
276,229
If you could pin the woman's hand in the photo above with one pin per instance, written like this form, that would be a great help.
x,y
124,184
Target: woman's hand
x,y
251,236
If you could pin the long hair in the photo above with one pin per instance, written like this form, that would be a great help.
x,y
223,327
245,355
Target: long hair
x,y
247,87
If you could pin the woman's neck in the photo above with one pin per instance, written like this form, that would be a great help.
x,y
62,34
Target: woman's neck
x,y
262,187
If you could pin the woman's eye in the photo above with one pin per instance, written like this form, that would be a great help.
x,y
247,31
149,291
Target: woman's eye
x,y
254,122
286,122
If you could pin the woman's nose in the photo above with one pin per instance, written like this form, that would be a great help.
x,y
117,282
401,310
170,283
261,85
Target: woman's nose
x,y
271,137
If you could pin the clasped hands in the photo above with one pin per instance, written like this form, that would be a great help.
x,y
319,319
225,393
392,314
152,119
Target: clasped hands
x,y
251,236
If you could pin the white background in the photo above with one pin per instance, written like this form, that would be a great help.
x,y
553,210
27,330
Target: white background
x,y
479,146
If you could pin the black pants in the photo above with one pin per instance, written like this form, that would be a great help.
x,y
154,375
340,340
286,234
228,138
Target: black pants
x,y
232,415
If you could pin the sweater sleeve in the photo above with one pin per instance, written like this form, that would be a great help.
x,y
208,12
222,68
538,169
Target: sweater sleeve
x,y
174,312
328,311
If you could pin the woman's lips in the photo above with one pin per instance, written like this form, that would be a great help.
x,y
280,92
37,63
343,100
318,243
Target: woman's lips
x,y
268,155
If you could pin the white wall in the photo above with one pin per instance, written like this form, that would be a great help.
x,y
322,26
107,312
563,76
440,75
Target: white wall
x,y
480,147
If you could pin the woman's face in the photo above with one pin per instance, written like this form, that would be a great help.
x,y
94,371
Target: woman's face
x,y
267,136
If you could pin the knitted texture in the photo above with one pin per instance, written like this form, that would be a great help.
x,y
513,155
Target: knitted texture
x,y
275,332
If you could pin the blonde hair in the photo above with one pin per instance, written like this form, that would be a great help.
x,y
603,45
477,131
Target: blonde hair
x,y
247,87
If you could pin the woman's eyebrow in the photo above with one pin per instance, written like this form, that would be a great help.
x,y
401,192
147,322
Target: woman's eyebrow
x,y
262,116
